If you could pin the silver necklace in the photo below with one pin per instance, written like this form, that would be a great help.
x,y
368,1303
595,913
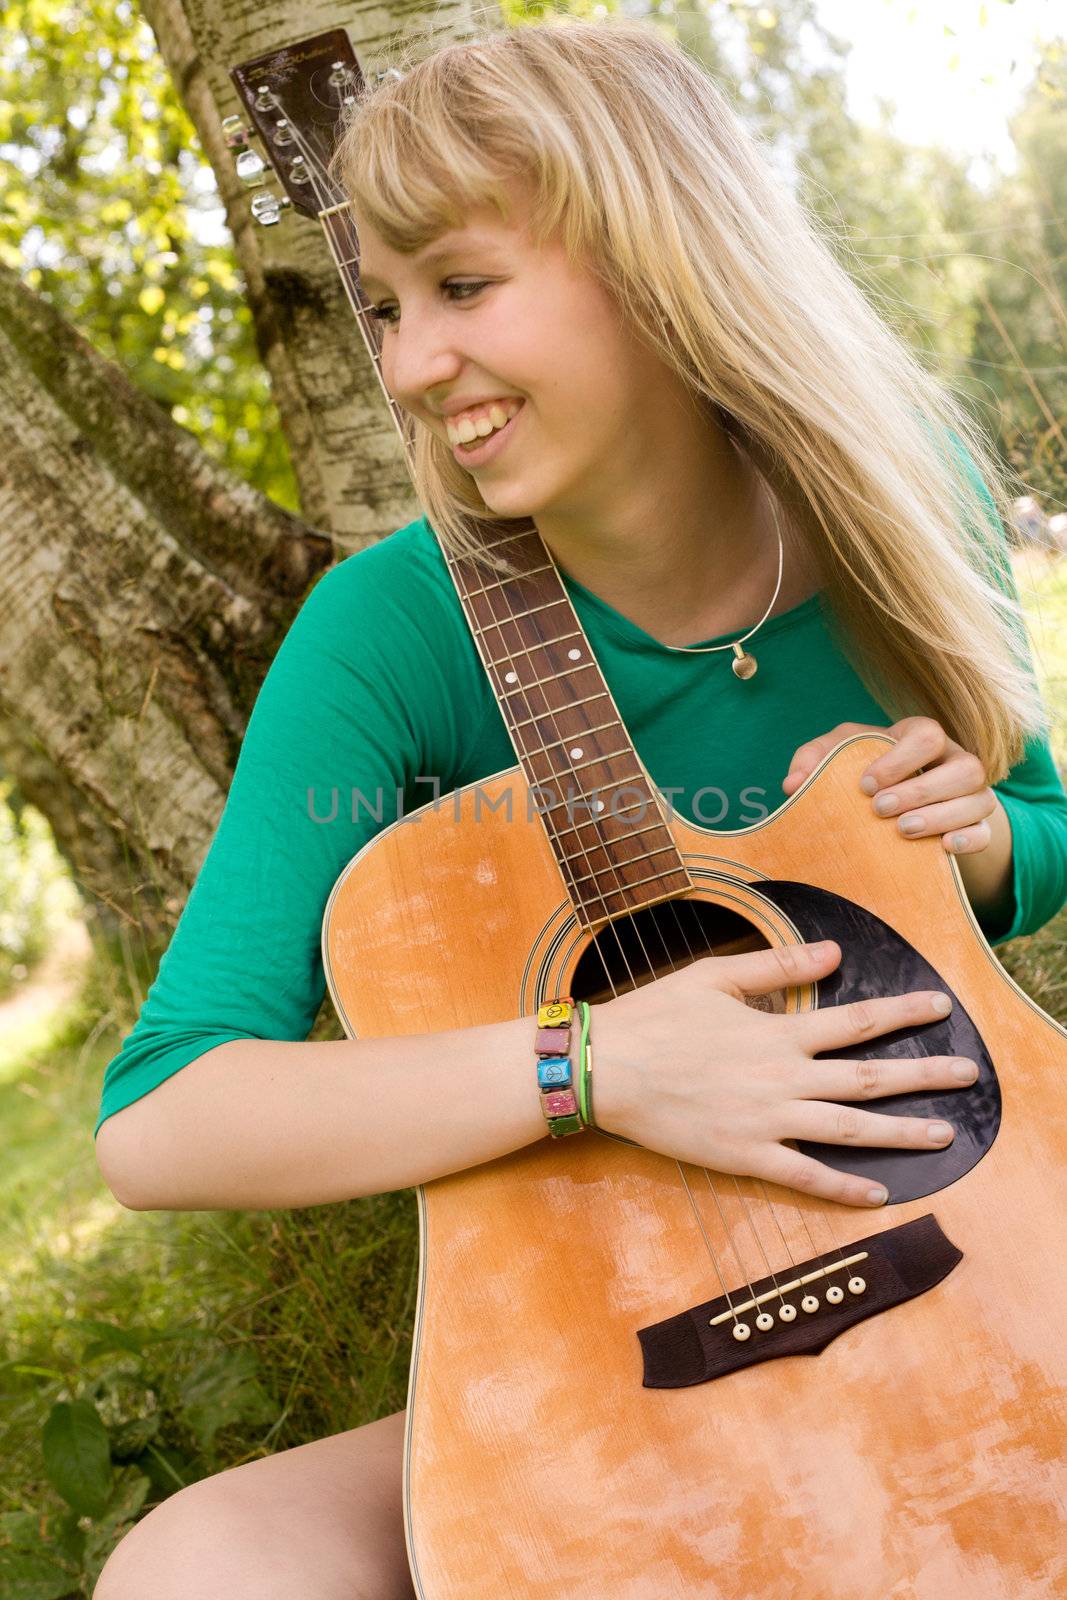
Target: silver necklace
x,y
744,664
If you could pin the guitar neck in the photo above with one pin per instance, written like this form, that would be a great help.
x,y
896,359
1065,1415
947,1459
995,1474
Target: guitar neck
x,y
598,805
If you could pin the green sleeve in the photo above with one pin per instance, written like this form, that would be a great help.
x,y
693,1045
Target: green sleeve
x,y
356,704
1032,794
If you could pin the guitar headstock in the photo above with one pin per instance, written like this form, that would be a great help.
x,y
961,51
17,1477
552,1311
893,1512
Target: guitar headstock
x,y
295,98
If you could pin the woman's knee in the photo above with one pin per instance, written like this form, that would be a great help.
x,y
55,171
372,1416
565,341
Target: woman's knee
x,y
318,1522
183,1546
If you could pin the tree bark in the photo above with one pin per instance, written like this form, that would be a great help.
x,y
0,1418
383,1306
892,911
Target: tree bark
x,y
143,593
143,589
346,453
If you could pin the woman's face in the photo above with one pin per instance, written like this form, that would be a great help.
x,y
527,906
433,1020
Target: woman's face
x,y
597,405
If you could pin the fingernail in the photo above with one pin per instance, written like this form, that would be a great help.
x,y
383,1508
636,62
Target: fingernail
x,y
822,949
869,785
938,1132
941,1004
965,1071
877,1197
959,841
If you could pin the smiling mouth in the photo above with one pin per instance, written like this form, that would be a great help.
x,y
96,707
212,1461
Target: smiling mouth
x,y
475,451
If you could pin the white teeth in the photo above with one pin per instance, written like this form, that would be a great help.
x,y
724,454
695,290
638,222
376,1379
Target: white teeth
x,y
467,429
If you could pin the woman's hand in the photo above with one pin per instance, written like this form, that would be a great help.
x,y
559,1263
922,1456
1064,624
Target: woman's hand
x,y
952,796
685,1067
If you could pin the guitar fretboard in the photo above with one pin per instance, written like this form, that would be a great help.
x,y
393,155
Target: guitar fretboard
x,y
596,802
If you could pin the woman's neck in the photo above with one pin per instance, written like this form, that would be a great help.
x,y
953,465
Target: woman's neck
x,y
682,572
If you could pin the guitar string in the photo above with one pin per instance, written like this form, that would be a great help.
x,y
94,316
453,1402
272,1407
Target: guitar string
x,y
755,1233
528,650
497,624
652,913
747,1212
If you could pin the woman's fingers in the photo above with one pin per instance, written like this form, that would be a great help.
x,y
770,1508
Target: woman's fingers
x,y
781,966
836,1027
793,1170
824,1123
870,1080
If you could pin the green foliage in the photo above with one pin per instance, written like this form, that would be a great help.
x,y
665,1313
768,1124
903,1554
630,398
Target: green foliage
x,y
35,892
108,208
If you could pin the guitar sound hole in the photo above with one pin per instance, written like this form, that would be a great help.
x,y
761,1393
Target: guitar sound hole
x,y
634,950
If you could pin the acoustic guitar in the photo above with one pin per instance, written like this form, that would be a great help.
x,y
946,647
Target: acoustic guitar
x,y
632,1378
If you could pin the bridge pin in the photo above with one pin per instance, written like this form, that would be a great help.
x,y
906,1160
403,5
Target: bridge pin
x,y
857,1285
741,1330
764,1321
787,1312
835,1294
810,1302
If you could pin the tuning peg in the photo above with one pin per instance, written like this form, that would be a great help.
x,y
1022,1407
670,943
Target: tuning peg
x,y
265,97
341,76
267,208
251,169
235,132
282,135
298,171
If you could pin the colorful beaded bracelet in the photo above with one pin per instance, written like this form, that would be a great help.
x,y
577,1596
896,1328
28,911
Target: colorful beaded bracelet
x,y
555,1077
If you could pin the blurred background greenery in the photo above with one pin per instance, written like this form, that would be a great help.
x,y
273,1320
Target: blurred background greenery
x,y
141,1351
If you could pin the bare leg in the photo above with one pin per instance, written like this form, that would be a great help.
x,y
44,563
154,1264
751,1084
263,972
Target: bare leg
x,y
323,1521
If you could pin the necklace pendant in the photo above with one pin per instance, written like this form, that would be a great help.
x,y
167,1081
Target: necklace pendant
x,y
744,665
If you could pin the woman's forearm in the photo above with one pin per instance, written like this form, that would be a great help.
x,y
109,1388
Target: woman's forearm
x,y
258,1125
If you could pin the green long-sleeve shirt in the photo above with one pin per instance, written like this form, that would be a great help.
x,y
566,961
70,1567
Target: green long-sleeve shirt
x,y
378,684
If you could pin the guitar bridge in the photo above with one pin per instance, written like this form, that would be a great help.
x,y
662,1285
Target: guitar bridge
x,y
798,1311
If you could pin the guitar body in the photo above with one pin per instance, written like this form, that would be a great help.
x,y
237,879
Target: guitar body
x,y
633,1379
917,1455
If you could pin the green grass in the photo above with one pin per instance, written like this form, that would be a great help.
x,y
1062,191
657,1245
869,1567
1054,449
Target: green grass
x,y
199,1340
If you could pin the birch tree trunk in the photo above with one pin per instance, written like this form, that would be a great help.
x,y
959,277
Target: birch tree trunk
x,y
143,589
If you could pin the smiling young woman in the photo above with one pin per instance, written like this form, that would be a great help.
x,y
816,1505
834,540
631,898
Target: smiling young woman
x,y
573,242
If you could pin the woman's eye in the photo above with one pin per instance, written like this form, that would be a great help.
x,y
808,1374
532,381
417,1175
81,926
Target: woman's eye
x,y
463,291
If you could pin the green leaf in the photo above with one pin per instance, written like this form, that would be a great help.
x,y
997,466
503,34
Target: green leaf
x,y
134,1436
27,1575
77,1456
129,1494
222,1391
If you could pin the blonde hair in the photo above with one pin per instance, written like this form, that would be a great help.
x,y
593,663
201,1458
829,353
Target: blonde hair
x,y
635,155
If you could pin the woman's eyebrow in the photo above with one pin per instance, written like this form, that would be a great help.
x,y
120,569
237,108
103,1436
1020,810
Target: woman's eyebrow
x,y
437,250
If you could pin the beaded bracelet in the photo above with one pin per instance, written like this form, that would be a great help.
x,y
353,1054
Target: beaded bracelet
x,y
555,1078
585,1068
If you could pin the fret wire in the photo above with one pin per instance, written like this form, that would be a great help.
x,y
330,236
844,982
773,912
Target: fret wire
x,y
574,799
631,861
584,734
572,705
659,900
557,833
542,644
507,538
592,762
652,878
498,583
555,677
499,622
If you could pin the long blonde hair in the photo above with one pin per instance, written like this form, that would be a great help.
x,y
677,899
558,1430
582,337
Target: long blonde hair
x,y
638,159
